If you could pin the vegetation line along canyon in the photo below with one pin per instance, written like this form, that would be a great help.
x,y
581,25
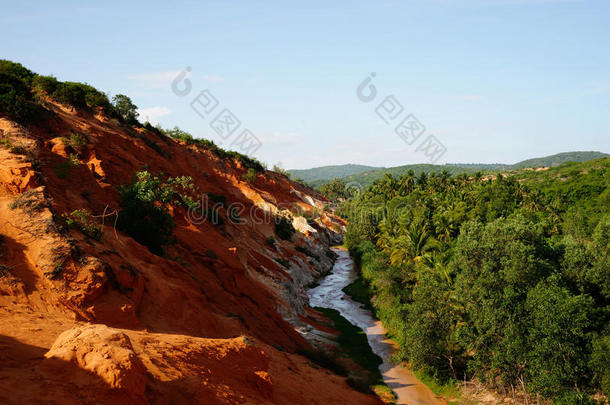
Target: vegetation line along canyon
x,y
140,264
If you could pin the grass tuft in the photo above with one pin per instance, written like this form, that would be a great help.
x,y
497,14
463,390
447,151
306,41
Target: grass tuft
x,y
354,343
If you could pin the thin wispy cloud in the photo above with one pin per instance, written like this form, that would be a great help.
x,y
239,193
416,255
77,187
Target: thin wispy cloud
x,y
152,114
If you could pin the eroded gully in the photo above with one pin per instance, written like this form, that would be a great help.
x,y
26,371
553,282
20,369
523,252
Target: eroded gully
x,y
329,294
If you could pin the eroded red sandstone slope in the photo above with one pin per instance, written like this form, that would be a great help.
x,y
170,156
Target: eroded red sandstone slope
x,y
212,321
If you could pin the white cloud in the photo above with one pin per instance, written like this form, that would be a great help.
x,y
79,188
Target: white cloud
x,y
156,80
152,114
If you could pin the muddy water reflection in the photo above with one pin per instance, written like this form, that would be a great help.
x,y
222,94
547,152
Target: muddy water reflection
x,y
329,294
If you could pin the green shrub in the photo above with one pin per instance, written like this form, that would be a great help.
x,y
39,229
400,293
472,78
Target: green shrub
x,y
250,176
58,268
16,97
600,359
15,149
75,141
84,222
360,292
301,182
70,93
280,170
157,130
30,201
16,100
284,228
62,170
182,187
79,95
334,190
180,135
144,215
246,161
47,84
354,344
125,108
18,150
559,339
574,398
6,142
16,70
95,98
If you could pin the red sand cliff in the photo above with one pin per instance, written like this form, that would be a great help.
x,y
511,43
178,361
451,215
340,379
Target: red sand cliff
x,y
212,322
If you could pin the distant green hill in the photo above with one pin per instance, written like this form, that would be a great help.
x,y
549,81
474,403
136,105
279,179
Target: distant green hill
x,y
556,160
329,172
367,175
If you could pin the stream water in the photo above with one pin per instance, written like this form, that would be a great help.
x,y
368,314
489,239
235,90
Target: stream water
x,y
329,294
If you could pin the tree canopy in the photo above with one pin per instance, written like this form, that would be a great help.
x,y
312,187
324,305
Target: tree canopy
x,y
504,278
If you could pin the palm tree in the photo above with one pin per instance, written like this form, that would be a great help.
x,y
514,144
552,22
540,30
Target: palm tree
x,y
462,178
407,182
422,179
388,228
444,227
445,176
387,185
412,246
438,261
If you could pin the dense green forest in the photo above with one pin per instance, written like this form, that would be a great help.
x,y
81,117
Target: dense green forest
x,y
505,279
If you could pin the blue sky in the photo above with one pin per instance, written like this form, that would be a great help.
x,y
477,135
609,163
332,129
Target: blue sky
x,y
493,80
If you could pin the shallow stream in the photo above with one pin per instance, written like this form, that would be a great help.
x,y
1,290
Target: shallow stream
x,y
329,294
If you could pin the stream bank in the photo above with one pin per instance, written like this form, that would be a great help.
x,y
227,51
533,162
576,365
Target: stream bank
x,y
329,294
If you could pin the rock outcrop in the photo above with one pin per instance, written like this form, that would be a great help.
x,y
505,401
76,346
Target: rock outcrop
x,y
105,353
